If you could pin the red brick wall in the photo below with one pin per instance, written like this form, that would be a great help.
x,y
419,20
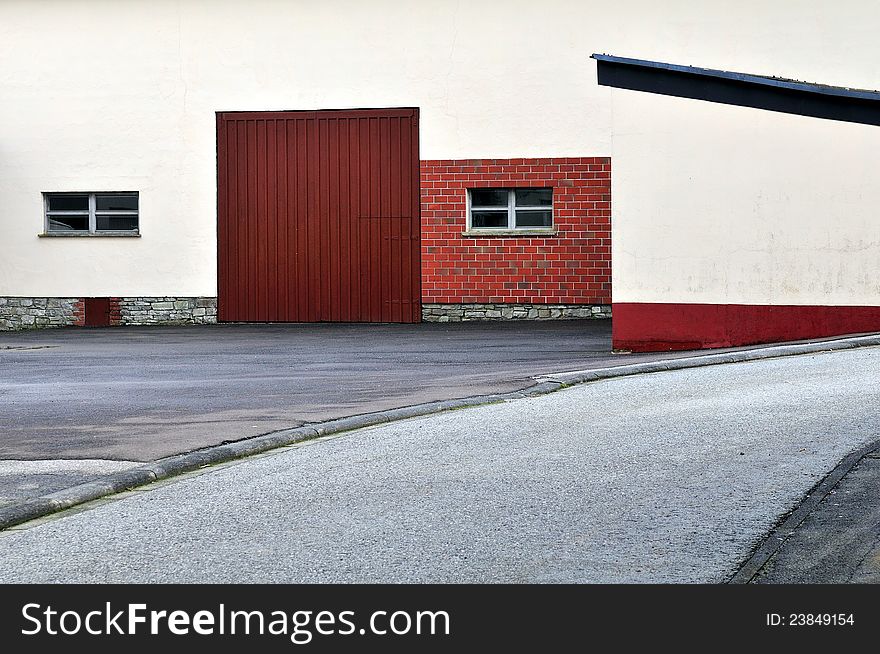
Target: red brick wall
x,y
79,313
572,267
115,311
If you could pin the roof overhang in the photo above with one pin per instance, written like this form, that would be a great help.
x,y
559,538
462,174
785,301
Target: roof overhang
x,y
741,89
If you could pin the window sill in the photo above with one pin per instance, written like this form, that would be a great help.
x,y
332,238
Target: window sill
x,y
89,235
524,233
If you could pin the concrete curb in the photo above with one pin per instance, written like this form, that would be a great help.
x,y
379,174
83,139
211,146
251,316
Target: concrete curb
x,y
177,464
770,352
180,463
783,531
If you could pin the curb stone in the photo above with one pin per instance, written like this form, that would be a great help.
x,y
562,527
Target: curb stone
x,y
786,528
177,464
770,352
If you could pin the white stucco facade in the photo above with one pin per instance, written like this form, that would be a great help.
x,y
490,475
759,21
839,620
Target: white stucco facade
x,y
122,96
711,203
720,204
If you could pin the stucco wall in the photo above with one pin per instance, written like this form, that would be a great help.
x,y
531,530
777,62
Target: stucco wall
x,y
721,204
101,95
122,96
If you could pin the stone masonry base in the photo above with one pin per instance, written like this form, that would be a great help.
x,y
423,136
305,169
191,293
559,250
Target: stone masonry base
x,y
37,312
40,312
167,310
466,312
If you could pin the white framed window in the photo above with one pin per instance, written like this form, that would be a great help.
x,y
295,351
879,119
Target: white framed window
x,y
75,214
510,209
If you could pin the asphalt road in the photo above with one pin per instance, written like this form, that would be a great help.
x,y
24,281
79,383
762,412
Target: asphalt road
x,y
668,477
137,394
76,404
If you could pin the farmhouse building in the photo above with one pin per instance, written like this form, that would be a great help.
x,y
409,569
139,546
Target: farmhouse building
x,y
195,161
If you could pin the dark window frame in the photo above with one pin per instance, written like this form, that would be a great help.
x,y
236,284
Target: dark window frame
x,y
91,214
510,210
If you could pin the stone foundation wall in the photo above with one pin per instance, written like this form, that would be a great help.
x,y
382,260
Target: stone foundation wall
x,y
39,312
466,312
167,310
33,313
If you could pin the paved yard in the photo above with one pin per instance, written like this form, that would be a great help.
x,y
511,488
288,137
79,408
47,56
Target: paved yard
x,y
138,394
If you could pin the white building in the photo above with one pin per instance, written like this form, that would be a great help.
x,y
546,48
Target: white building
x,y
729,224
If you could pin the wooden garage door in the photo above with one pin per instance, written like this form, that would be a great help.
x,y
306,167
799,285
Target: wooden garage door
x,y
318,216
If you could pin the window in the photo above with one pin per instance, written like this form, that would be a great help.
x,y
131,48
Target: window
x,y
91,213
509,209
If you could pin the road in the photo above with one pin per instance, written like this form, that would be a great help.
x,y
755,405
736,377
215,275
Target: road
x,y
667,477
140,393
137,394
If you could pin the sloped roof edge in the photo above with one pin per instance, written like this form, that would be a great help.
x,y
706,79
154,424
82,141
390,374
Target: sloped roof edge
x,y
742,89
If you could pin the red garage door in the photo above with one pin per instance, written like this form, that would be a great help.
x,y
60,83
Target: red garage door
x,y
318,216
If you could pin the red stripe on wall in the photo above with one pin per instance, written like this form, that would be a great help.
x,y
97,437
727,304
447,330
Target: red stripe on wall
x,y
651,327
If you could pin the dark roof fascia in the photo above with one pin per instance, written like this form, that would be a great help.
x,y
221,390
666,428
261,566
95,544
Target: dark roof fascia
x,y
742,89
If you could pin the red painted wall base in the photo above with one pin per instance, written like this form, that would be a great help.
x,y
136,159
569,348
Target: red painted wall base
x,y
649,327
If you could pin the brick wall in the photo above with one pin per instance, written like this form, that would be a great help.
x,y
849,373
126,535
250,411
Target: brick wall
x,y
115,311
572,267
